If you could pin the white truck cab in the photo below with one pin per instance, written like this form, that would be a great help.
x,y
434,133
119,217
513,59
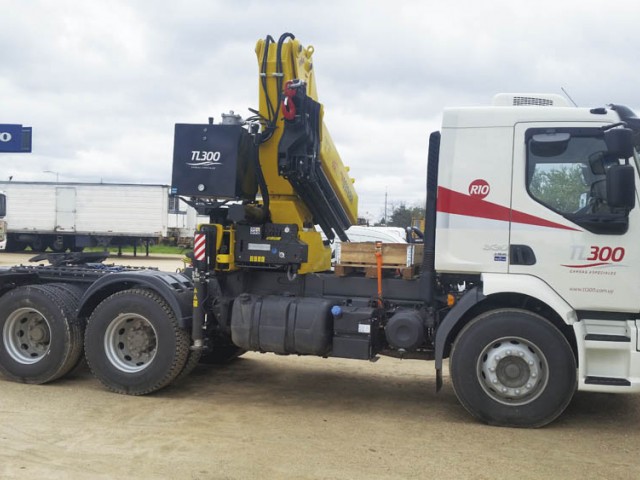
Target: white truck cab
x,y
551,211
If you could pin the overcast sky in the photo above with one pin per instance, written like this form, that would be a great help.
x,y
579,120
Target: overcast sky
x,y
103,82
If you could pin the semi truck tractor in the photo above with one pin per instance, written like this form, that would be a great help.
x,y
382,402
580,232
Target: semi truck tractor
x,y
526,285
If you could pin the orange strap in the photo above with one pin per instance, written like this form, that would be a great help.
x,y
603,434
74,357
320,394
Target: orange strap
x,y
379,270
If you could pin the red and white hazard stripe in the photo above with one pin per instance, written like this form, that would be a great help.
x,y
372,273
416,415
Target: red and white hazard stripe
x,y
199,246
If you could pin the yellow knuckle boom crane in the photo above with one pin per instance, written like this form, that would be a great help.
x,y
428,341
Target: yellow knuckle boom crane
x,y
286,153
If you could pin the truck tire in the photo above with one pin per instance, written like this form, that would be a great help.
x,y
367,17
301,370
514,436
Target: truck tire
x,y
75,291
513,368
71,295
41,338
14,246
193,359
58,245
39,243
133,343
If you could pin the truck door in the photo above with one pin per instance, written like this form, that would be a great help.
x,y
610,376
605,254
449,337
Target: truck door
x,y
559,184
65,209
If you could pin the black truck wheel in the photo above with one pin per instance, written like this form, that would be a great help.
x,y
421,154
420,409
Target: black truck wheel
x,y
39,243
513,368
193,359
71,295
74,291
41,338
58,245
14,245
133,343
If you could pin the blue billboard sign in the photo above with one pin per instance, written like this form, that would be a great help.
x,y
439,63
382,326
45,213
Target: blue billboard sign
x,y
15,138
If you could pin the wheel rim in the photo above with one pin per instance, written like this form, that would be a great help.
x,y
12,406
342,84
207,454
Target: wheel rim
x,y
26,335
130,342
513,371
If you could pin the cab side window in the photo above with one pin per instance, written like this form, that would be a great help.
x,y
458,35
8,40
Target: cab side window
x,y
566,173
560,186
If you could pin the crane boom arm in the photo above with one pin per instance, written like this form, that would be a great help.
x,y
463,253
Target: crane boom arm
x,y
298,158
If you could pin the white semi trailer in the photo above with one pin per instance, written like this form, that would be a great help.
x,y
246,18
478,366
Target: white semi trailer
x,y
72,216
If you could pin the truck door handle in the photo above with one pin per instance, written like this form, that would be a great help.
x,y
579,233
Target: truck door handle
x,y
521,255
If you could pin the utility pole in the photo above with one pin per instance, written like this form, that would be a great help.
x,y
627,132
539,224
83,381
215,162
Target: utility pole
x,y
385,205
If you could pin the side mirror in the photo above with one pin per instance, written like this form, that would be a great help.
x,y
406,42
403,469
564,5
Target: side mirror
x,y
621,188
619,142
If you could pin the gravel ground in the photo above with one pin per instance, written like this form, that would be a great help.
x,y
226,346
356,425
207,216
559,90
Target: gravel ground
x,y
274,417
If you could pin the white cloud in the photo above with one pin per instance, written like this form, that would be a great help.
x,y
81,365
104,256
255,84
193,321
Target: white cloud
x,y
103,82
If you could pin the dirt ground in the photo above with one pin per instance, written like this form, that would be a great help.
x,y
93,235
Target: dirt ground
x,y
272,417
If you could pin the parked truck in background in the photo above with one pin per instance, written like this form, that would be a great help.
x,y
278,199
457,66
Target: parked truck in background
x,y
527,284
182,223
66,216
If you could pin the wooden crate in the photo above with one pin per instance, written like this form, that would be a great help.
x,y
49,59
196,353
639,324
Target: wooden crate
x,y
370,271
363,254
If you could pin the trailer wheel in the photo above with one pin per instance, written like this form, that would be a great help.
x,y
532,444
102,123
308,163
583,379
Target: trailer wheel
x,y
38,244
133,343
58,245
14,245
220,355
41,338
513,368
